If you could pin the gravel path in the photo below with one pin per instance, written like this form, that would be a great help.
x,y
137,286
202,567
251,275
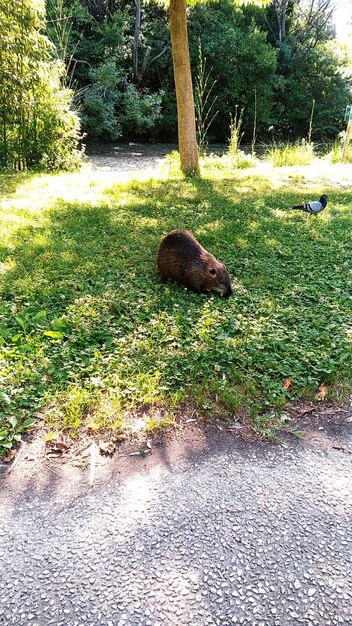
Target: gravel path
x,y
129,157
239,534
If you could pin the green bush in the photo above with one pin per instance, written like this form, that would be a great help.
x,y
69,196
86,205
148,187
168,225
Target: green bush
x,y
38,126
98,111
140,111
58,127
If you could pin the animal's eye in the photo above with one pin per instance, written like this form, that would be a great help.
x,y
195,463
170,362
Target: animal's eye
x,y
212,271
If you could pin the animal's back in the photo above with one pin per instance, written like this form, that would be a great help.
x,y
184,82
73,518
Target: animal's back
x,y
178,251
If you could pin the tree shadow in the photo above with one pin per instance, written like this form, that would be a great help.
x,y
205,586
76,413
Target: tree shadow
x,y
92,267
198,532
11,181
92,270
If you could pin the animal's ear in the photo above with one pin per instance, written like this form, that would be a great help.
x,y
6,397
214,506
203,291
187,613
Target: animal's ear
x,y
212,271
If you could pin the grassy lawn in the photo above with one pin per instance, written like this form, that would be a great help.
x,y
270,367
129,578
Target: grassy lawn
x,y
89,339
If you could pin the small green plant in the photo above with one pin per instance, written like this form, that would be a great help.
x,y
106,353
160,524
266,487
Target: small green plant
x,y
270,425
235,134
235,157
11,430
154,424
204,101
66,411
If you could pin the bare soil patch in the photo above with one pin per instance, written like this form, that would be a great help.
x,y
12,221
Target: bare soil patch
x,y
320,425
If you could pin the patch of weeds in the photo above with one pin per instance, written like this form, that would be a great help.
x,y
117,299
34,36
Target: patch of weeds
x,y
172,164
301,153
270,425
236,158
155,423
106,413
239,161
67,410
334,153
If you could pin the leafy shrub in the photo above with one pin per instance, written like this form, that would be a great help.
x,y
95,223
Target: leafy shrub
x,y
98,113
57,125
38,126
140,111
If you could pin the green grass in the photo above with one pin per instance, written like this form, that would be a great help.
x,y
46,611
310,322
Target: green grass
x,y
88,337
335,153
290,154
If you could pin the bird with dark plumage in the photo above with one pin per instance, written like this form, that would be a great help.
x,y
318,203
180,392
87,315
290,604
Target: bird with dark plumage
x,y
313,208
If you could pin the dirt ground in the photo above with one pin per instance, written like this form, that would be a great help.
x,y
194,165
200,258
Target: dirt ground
x,y
87,460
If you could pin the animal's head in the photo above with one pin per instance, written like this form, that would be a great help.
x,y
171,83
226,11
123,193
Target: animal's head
x,y
218,279
323,199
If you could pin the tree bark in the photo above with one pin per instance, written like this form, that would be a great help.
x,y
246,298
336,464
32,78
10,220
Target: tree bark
x,y
346,143
137,34
184,91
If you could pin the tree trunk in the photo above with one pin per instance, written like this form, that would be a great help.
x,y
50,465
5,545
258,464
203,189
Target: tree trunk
x,y
280,7
137,34
346,142
184,92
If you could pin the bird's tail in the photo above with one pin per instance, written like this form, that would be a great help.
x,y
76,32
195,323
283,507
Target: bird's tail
x,y
302,207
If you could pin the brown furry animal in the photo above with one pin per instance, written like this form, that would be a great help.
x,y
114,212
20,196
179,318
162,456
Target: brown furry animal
x,y
181,258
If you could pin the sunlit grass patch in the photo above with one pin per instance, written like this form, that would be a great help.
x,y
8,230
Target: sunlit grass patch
x,y
88,337
334,153
290,154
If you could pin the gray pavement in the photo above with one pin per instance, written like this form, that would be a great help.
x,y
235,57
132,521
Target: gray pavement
x,y
234,534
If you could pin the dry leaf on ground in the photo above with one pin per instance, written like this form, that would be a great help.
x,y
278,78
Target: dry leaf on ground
x,y
287,384
106,447
9,456
119,437
322,391
57,446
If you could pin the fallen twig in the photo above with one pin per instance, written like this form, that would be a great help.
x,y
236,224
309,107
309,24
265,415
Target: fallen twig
x,y
342,449
93,456
19,454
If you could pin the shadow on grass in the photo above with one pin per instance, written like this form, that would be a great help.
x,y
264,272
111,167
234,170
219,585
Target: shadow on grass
x,y
90,271
11,181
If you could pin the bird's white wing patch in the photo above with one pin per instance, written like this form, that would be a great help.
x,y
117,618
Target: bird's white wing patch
x,y
315,206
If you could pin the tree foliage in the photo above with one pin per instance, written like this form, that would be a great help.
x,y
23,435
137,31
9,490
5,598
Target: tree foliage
x,y
37,125
279,55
